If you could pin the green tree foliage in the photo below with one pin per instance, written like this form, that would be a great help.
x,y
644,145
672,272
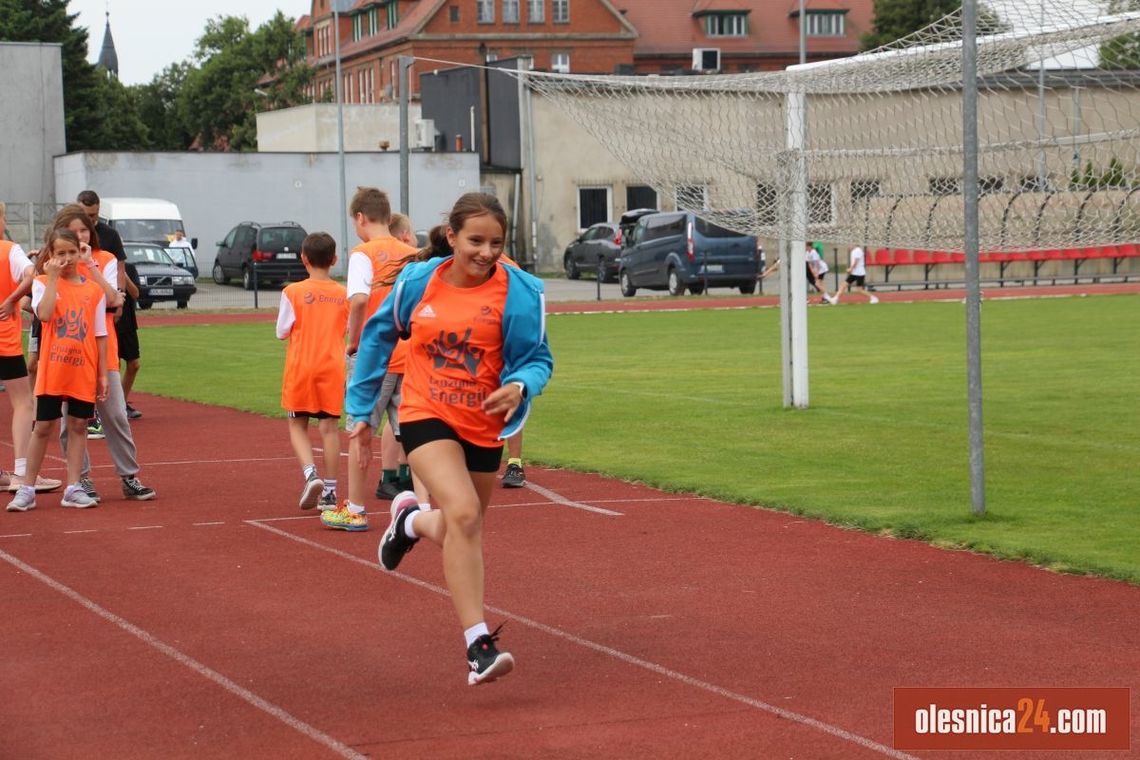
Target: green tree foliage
x,y
1122,52
158,108
217,100
117,124
49,21
898,18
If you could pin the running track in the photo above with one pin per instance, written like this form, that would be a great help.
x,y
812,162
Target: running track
x,y
219,621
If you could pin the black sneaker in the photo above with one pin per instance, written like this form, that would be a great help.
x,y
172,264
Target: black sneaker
x,y
388,490
134,490
311,493
514,477
132,413
487,663
396,543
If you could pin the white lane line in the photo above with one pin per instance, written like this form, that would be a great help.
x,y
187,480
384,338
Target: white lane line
x,y
145,527
629,659
558,499
198,525
15,535
73,532
154,642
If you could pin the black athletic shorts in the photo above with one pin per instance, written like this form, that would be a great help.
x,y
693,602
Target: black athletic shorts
x,y
34,336
479,458
128,344
13,367
313,415
857,279
50,408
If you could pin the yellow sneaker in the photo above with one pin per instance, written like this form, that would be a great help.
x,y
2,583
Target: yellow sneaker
x,y
343,519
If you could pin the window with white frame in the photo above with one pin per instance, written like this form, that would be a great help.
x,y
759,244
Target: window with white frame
x,y
357,27
595,204
726,25
373,22
510,11
821,204
820,24
692,197
560,11
560,62
536,11
485,11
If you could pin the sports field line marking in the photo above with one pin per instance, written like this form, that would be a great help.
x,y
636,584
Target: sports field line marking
x,y
559,499
73,532
145,527
16,535
185,660
629,659
199,525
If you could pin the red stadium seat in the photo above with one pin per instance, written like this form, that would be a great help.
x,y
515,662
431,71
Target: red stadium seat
x,y
902,256
882,257
922,257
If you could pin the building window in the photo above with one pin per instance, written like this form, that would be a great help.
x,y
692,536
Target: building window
x,y
862,189
692,197
357,27
536,11
594,205
767,212
726,25
373,22
640,196
393,14
988,185
485,11
454,14
560,62
510,11
944,186
826,24
821,209
560,11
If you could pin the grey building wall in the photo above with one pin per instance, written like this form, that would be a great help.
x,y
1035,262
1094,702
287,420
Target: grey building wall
x,y
31,120
215,191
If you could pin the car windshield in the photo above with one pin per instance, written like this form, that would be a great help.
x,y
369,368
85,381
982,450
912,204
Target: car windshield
x,y
708,229
147,254
146,229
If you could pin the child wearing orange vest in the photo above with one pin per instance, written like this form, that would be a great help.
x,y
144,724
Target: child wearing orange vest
x,y
313,317
73,361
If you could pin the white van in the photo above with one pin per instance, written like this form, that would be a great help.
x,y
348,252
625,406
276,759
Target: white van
x,y
143,220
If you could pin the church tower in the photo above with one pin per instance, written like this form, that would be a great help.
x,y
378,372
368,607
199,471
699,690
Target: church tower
x,y
108,58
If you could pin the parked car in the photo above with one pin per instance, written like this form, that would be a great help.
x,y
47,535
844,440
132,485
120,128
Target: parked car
x,y
184,257
629,219
160,279
598,246
274,249
678,250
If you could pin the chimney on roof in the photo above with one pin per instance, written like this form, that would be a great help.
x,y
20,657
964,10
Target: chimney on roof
x,y
108,58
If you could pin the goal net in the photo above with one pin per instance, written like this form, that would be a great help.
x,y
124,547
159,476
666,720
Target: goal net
x,y
1058,126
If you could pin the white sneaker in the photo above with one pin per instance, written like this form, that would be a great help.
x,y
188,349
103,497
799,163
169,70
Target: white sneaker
x,y
24,500
76,497
829,299
874,300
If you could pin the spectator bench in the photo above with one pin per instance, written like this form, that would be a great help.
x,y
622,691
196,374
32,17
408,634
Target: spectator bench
x,y
890,258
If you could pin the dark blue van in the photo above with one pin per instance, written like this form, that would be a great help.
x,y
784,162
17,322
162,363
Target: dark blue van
x,y
678,250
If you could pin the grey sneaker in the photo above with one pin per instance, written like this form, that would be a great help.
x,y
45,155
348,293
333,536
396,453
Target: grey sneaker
x,y
514,477
89,489
311,493
327,501
76,497
24,500
134,490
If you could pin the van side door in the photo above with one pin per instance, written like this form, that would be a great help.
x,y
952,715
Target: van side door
x,y
225,256
668,238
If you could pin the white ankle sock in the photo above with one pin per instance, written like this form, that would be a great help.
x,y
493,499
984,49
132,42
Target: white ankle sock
x,y
355,509
330,485
20,469
308,471
474,632
409,531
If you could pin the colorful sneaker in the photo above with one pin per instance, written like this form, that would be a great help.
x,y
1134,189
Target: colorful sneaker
x,y
311,493
396,543
487,663
134,490
327,501
95,431
132,413
24,500
388,489
344,519
76,497
89,489
514,477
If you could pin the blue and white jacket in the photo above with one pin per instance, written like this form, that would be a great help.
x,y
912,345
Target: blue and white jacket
x,y
526,353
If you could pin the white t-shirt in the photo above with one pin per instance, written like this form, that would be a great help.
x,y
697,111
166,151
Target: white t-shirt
x,y
810,255
18,262
858,262
183,243
359,279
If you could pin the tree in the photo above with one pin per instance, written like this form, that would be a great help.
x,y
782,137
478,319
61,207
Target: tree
x,y
217,100
49,21
1122,52
158,109
895,19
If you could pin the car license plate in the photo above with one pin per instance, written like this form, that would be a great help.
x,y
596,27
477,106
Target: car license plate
x,y
162,291
287,256
713,269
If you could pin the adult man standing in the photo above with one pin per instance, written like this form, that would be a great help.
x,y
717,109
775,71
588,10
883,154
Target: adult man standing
x,y
856,276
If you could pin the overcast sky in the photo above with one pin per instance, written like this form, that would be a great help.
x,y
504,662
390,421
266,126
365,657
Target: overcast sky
x,y
150,35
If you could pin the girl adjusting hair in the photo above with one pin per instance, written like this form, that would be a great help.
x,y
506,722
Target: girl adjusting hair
x,y
477,355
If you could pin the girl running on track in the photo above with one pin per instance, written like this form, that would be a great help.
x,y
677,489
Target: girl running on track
x,y
477,356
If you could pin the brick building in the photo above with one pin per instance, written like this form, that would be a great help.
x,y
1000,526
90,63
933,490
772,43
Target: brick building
x,y
577,36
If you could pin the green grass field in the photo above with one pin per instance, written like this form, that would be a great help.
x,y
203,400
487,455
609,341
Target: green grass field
x,y
691,401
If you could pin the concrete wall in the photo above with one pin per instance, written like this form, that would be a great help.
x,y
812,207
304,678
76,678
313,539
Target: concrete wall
x,y
216,191
312,127
31,120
